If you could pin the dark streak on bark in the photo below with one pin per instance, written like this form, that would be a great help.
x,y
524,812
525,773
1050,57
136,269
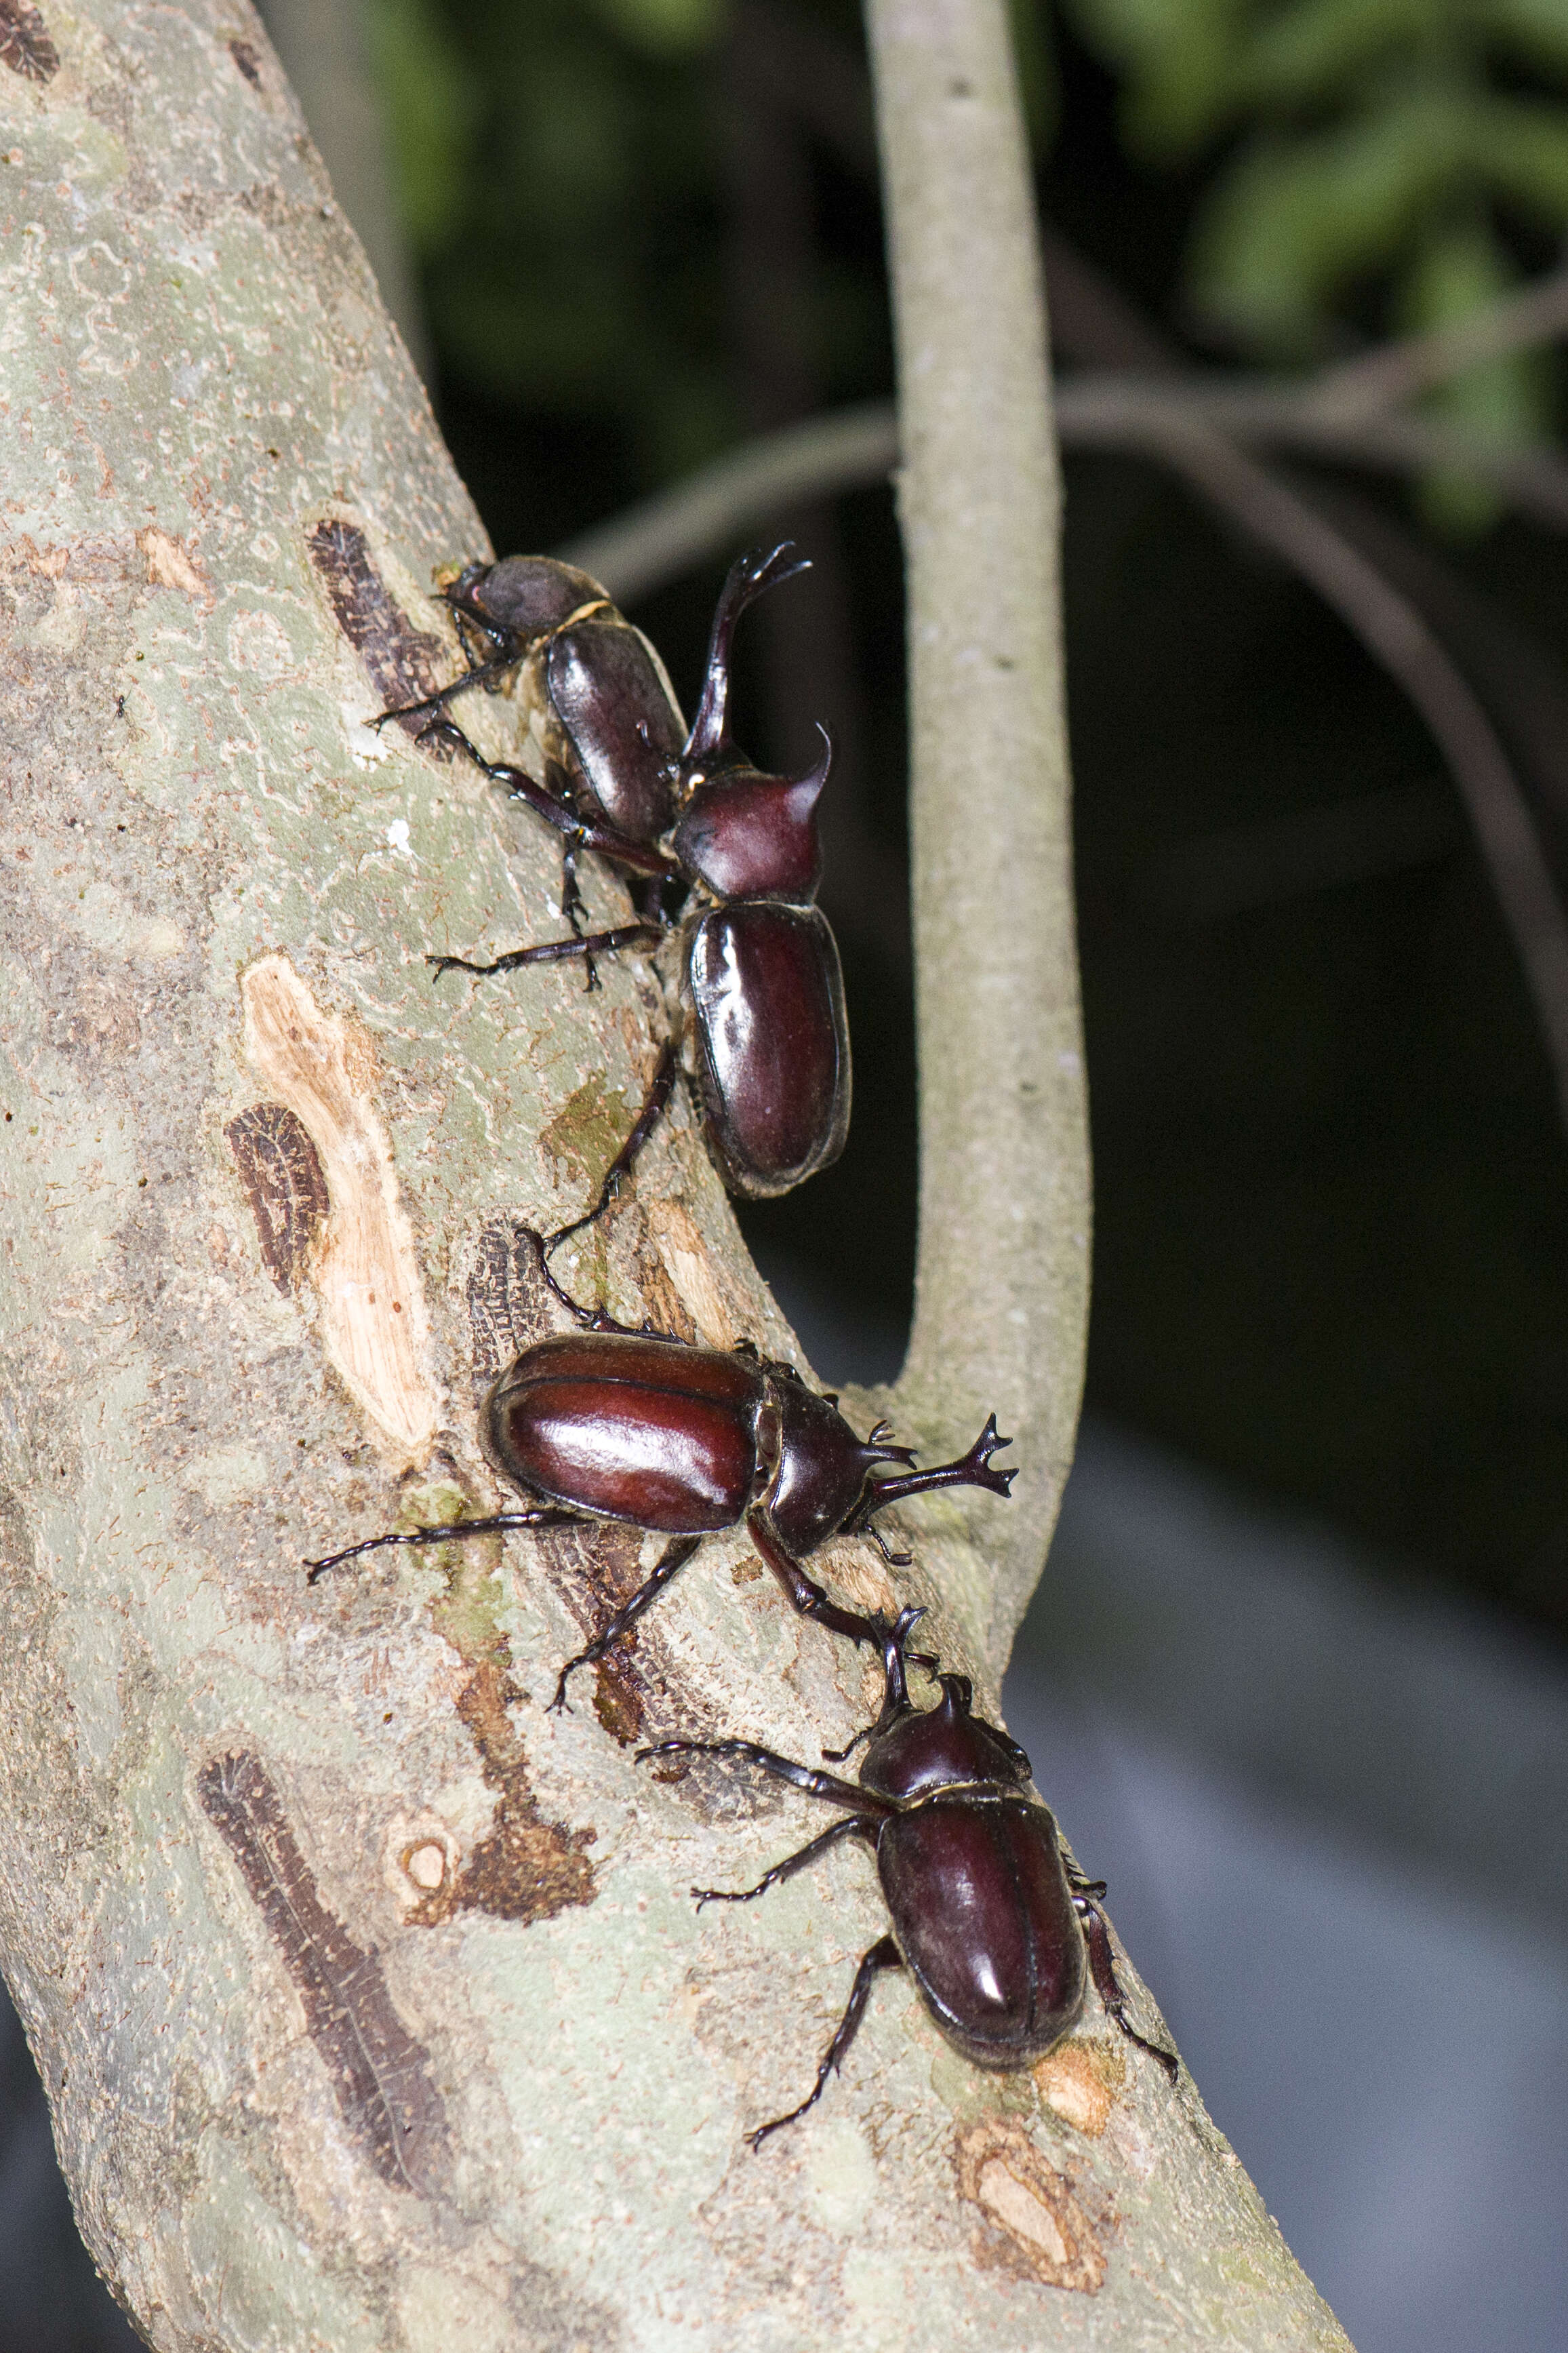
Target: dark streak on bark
x,y
25,42
526,1868
379,2074
507,1302
246,58
401,659
285,1183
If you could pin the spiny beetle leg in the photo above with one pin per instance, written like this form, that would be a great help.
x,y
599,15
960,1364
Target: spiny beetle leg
x,y
583,943
675,1556
804,1592
883,1955
1097,1938
547,1515
648,1119
781,1769
861,1826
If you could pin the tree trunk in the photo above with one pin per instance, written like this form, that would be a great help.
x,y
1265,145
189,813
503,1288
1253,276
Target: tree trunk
x,y
370,2000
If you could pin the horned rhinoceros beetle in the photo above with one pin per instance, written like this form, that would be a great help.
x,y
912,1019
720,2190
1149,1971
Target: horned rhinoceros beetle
x,y
765,1034
998,1928
606,1423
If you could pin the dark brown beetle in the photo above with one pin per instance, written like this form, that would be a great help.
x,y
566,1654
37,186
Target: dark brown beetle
x,y
998,1929
608,726
766,1032
610,1424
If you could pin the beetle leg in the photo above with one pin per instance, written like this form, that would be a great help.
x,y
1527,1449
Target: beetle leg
x,y
804,1594
782,1769
674,1556
883,1955
590,944
1097,1936
648,1119
862,1826
555,808
545,1516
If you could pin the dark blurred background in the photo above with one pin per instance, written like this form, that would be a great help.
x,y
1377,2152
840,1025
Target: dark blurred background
x,y
1296,1677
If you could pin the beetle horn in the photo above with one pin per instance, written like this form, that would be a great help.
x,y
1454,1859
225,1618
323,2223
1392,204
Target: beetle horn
x,y
804,791
748,576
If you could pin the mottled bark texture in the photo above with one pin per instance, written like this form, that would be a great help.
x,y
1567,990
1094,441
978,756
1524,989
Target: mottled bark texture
x,y
370,2000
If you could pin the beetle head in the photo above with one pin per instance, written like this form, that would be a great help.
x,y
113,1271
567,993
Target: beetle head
x,y
523,596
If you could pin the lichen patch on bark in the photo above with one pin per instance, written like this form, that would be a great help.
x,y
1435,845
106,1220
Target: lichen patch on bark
x,y
364,1267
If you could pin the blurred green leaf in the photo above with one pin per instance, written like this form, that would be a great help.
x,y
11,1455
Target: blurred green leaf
x,y
666,27
1460,269
431,106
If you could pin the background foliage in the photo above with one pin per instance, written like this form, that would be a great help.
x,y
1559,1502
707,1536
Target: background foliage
x,y
1331,1255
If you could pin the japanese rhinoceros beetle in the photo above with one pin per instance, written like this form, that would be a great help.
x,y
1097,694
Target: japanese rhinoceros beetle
x,y
606,1423
764,1031
997,1927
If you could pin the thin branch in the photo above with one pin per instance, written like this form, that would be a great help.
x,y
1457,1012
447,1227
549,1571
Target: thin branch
x,y
1001,1288
1393,630
1104,410
1536,313
663,536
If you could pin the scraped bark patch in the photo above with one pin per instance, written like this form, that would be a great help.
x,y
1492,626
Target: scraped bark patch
x,y
401,659
507,1301
1034,2226
363,1266
379,2074
25,42
1080,2080
285,1185
525,1868
168,564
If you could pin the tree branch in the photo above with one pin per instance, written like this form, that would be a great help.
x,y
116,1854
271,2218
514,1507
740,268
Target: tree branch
x,y
369,2003
1001,1289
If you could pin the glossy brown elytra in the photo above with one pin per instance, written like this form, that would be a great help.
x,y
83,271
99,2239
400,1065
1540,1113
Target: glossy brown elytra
x,y
998,1930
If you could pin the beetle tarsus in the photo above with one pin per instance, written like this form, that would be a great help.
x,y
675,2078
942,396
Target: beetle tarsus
x,y
1097,1936
674,1556
501,1523
884,1955
861,1826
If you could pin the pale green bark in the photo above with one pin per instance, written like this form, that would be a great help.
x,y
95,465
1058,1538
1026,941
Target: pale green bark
x,y
370,2000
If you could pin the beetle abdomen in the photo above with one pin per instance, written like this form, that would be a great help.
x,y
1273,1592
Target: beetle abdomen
x,y
769,998
985,1919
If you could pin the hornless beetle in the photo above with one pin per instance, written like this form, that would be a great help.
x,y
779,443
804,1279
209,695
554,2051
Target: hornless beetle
x,y
998,1928
606,1423
766,1033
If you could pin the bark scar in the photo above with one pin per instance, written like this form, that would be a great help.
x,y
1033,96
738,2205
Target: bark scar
x,y
401,659
286,1186
379,2074
25,42
374,1323
1035,2226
